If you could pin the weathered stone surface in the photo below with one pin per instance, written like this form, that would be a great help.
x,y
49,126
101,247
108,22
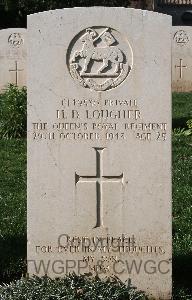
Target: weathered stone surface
x,y
182,59
13,54
99,145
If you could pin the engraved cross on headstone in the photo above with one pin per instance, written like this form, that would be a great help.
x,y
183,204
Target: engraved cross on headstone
x,y
99,179
16,70
181,66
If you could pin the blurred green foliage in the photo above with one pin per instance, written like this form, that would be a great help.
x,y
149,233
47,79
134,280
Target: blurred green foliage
x,y
71,287
13,112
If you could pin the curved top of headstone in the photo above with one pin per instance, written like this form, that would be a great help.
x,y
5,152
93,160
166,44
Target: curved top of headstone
x,y
7,31
93,9
79,32
13,29
12,37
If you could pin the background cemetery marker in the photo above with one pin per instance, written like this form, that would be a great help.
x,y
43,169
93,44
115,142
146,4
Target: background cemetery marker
x,y
99,145
13,57
16,71
182,58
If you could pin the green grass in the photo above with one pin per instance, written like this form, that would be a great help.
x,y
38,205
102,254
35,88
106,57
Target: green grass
x,y
182,216
12,208
13,204
182,109
13,112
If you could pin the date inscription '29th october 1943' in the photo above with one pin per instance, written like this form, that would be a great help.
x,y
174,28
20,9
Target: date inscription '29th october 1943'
x,y
99,124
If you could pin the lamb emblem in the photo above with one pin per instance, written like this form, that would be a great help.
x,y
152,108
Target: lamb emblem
x,y
99,58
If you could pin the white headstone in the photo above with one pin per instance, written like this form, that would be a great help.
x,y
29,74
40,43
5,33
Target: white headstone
x,y
99,145
13,54
182,59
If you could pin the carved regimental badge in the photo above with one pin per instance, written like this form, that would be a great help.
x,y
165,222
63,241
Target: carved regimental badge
x,y
16,39
98,58
181,37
